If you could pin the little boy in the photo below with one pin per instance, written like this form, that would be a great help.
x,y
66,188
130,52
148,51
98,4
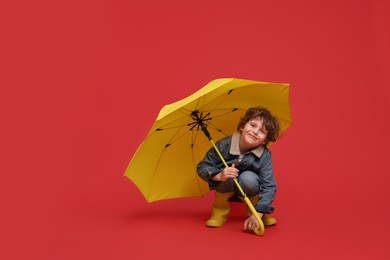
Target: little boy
x,y
251,164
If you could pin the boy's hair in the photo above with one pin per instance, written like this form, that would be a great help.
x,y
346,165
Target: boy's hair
x,y
270,122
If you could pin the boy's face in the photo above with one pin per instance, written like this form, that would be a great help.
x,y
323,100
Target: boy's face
x,y
253,133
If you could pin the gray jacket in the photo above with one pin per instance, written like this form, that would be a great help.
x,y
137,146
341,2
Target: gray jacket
x,y
258,161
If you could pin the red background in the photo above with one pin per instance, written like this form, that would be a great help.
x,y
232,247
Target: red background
x,y
82,82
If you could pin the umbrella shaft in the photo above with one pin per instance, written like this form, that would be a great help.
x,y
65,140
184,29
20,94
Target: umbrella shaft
x,y
224,162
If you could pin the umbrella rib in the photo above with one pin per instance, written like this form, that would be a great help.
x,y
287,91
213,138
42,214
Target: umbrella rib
x,y
162,153
174,136
216,128
194,124
212,126
217,104
171,122
194,136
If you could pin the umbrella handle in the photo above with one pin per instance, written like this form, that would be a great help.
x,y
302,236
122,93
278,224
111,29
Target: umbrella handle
x,y
260,231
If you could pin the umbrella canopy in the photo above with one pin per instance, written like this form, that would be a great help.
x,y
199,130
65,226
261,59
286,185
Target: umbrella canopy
x,y
164,166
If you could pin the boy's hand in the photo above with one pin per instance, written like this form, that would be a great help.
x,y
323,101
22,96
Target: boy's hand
x,y
251,222
227,173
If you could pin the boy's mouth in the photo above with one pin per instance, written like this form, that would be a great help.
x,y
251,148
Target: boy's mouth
x,y
253,137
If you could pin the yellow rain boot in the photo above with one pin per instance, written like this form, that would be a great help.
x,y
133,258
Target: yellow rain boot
x,y
267,219
220,210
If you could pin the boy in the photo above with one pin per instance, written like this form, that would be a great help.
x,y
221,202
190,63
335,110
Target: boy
x,y
251,164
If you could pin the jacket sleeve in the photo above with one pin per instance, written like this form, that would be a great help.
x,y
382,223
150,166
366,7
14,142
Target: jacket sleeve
x,y
210,166
268,185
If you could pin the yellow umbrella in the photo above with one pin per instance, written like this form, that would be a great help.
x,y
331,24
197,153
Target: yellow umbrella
x,y
164,166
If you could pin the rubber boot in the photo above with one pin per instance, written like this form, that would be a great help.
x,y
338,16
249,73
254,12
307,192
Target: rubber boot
x,y
220,210
267,219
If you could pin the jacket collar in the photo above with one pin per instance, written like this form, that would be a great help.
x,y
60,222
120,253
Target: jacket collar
x,y
235,149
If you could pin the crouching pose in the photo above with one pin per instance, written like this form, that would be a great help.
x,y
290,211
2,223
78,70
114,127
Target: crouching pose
x,y
250,162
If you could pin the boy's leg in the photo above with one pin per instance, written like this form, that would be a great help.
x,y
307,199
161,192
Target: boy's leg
x,y
250,183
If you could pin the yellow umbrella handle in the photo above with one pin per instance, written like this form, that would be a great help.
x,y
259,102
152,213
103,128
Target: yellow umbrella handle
x,y
260,231
253,210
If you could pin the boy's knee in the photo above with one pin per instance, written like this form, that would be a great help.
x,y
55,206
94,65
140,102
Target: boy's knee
x,y
249,182
248,177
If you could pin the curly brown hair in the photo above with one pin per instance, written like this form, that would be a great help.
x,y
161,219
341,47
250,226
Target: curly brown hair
x,y
270,122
